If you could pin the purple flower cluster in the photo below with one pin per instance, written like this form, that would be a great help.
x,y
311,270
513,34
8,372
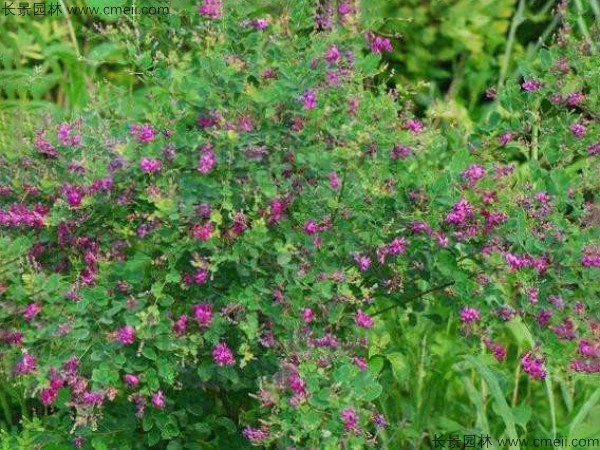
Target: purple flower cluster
x,y
150,165
255,435
520,261
349,419
211,9
208,158
143,133
26,365
533,366
400,152
20,215
223,355
474,173
379,44
531,85
460,213
363,320
203,313
126,335
44,147
469,315
66,136
309,100
591,257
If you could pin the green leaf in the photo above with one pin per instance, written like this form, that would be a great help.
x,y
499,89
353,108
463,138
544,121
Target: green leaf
x,y
506,413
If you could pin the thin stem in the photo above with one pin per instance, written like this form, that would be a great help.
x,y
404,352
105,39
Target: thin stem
x,y
595,8
516,21
5,408
71,29
583,27
340,194
535,134
415,297
552,407
515,394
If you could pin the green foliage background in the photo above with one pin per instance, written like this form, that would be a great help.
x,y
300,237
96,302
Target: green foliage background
x,y
448,53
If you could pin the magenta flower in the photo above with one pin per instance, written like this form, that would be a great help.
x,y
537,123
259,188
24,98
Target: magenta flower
x,y
363,320
32,310
361,363
532,294
126,335
533,366
379,44
364,262
260,24
94,398
578,130
345,8
211,9
349,419
44,147
396,247
203,313
505,138
48,396
202,232
296,384
332,78
269,73
207,121
334,181
461,211
158,400
255,435
223,355
587,349
531,85
144,133
498,350
579,365
353,104
594,149
131,380
575,98
26,365
73,195
245,125
309,99
379,420
308,315
63,133
400,152
180,325
474,173
310,227
276,210
332,54
468,315
414,126
150,165
208,159
543,317
201,276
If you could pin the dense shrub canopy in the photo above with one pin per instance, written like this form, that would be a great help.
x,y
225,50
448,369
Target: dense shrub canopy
x,y
206,275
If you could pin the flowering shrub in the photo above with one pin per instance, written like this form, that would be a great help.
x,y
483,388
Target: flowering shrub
x,y
206,276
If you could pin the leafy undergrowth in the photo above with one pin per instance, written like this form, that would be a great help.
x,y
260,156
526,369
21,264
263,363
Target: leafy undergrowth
x,y
274,251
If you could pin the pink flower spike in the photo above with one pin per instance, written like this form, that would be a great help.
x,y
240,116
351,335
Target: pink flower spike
x,y
222,355
126,335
